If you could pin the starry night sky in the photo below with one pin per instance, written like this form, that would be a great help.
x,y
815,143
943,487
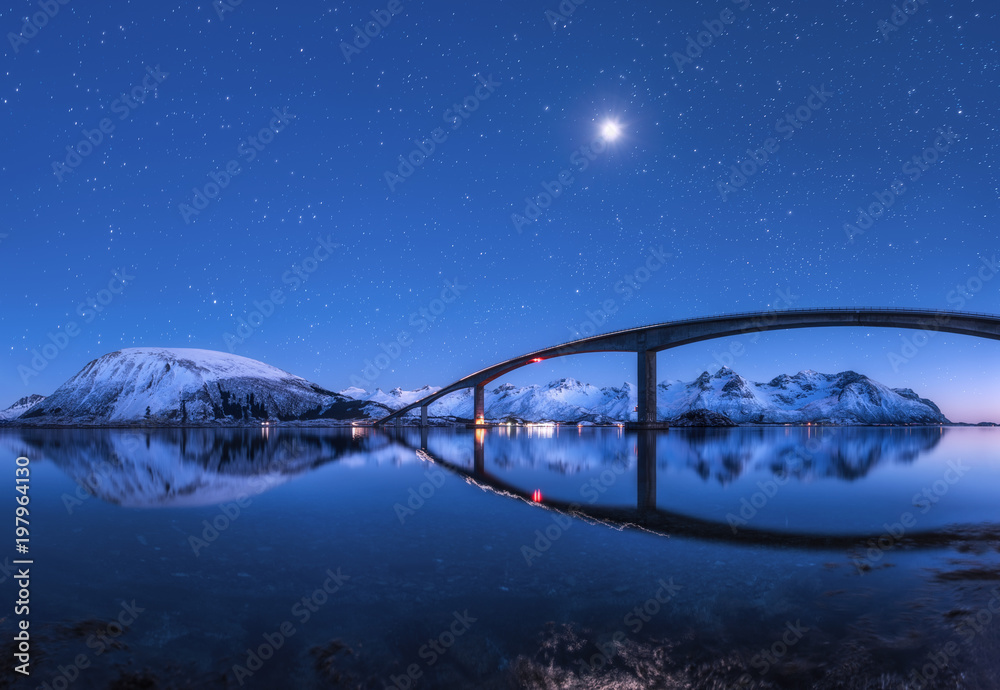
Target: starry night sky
x,y
515,96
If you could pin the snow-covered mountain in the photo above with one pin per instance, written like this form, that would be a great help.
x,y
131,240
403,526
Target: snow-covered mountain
x,y
808,396
394,399
187,386
20,407
563,400
164,386
844,398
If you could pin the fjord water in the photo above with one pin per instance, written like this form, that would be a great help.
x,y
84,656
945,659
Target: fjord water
x,y
535,557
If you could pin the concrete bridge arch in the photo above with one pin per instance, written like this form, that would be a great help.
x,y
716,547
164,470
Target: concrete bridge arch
x,y
646,341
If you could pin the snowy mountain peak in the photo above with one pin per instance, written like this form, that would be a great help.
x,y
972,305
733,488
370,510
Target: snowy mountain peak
x,y
738,387
353,392
178,386
565,383
20,406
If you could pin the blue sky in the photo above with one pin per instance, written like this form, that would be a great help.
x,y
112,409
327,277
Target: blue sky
x,y
367,190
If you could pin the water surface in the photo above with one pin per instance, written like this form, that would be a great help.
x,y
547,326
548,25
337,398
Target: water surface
x,y
538,558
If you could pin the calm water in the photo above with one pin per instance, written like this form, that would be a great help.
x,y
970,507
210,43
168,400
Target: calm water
x,y
535,558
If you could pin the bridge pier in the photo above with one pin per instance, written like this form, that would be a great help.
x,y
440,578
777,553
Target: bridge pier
x,y
423,415
479,404
646,383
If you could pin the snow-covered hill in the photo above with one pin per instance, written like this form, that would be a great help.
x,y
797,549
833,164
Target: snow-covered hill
x,y
185,386
20,407
844,398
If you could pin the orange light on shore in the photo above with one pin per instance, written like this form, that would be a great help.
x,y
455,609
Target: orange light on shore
x,y
536,496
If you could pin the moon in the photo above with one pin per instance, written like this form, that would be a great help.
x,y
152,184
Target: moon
x,y
611,130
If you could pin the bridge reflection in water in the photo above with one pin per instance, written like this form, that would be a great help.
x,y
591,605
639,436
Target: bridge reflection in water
x,y
649,517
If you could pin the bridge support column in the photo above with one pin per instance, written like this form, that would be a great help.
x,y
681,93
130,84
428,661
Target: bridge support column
x,y
647,387
479,404
423,415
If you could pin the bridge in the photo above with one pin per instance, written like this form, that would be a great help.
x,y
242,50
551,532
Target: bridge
x,y
646,341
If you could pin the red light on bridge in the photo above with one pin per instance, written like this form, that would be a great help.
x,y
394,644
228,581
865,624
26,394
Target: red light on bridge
x,y
536,359
536,496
